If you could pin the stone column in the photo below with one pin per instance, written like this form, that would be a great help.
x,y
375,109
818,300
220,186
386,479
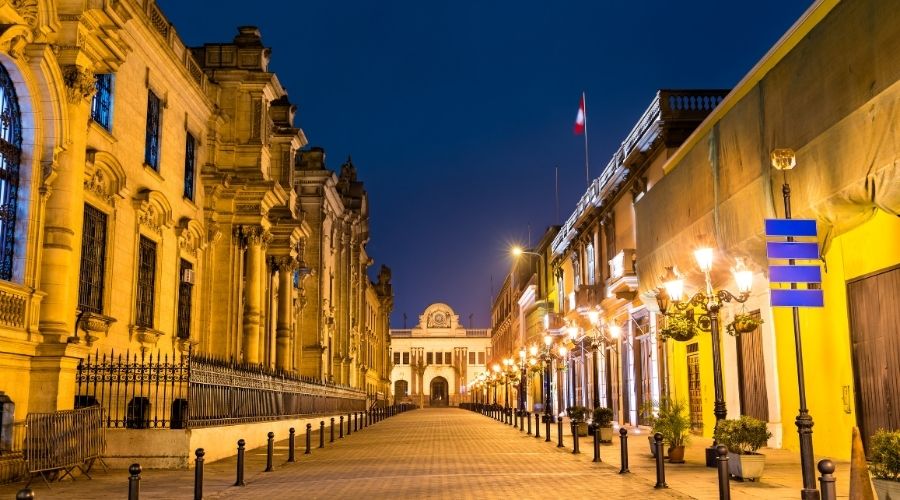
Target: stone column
x,y
252,294
284,323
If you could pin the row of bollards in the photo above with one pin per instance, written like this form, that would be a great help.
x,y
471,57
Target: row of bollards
x,y
356,421
826,467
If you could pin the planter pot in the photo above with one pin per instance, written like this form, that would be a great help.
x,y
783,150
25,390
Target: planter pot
x,y
653,447
886,490
582,428
746,466
606,434
676,455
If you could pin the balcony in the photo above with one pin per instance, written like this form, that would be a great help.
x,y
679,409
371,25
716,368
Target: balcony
x,y
623,281
588,297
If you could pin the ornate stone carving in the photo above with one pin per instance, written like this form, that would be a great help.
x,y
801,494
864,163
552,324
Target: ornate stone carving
x,y
99,185
149,217
285,264
147,337
79,83
95,326
28,9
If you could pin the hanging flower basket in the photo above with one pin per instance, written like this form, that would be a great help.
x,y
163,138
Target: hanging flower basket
x,y
743,323
679,328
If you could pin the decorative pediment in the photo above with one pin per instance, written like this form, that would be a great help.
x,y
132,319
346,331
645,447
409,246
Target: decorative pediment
x,y
104,176
153,210
190,236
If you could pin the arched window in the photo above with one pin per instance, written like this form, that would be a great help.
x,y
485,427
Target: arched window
x,y
10,152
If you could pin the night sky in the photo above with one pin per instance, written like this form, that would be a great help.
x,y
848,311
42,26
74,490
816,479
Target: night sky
x,y
457,113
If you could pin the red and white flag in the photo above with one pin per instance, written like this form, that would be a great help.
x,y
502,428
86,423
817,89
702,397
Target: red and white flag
x,y
580,118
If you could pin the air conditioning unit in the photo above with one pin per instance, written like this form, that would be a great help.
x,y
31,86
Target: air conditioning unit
x,y
187,276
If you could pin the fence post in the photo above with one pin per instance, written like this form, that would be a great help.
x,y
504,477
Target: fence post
x,y
660,465
722,465
198,474
134,482
597,443
341,428
291,444
270,449
332,430
623,439
559,433
308,439
528,418
240,463
321,433
826,482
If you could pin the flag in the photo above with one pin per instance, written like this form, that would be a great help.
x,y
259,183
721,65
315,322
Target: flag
x,y
580,118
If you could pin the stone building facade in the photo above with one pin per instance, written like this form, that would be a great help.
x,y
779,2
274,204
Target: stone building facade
x,y
155,198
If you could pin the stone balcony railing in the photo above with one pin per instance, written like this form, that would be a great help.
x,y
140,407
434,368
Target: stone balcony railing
x,y
623,281
19,307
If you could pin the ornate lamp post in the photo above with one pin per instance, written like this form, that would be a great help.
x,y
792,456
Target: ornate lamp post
x,y
523,384
671,296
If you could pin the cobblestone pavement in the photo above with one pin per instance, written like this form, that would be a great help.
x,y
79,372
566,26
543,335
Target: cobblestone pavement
x,y
444,453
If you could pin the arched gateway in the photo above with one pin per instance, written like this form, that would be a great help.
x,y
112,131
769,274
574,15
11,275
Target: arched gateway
x,y
440,393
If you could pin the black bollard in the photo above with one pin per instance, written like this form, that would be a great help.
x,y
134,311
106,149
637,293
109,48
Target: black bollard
x,y
547,428
332,430
198,474
826,481
321,433
559,433
575,449
356,426
270,450
349,418
25,494
722,465
240,463
341,428
522,421
291,444
537,425
596,433
623,437
528,418
308,439
134,482
660,465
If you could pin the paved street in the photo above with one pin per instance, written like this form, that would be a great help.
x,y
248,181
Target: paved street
x,y
441,453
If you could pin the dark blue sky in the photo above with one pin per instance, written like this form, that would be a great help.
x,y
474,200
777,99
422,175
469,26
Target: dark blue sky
x,y
456,113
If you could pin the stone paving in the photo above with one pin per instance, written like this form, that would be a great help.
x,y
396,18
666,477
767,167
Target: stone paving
x,y
438,453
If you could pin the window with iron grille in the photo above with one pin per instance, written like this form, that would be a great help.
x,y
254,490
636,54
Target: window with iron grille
x,y
151,146
146,284
185,293
93,258
396,358
189,162
101,105
10,152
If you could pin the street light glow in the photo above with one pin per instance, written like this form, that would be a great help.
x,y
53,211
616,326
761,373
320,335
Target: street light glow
x,y
743,276
516,250
594,317
704,256
615,330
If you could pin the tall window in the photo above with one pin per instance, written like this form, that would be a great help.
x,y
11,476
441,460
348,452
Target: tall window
x,y
10,152
439,358
101,105
589,257
93,258
609,232
429,358
471,358
151,147
185,292
396,358
189,163
405,358
146,284
576,270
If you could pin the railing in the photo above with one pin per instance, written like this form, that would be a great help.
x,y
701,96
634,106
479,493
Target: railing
x,y
64,439
160,23
478,332
401,333
184,391
14,442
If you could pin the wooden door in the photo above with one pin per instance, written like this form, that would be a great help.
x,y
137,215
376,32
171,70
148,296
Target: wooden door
x,y
875,341
695,399
752,374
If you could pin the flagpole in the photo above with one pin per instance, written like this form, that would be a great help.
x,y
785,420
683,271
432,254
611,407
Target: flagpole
x,y
587,168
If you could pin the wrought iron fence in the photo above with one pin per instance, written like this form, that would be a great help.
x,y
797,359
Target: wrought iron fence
x,y
191,391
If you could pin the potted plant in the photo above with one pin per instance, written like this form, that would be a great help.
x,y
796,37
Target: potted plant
x,y
680,327
884,453
676,427
743,437
649,411
578,414
743,323
603,421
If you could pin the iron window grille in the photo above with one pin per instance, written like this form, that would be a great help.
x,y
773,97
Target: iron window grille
x,y
101,105
146,284
151,147
185,289
10,154
93,259
189,164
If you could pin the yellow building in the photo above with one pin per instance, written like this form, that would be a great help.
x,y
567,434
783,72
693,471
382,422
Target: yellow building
x,y
717,189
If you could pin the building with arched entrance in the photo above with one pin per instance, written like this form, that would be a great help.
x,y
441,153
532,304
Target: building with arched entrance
x,y
435,362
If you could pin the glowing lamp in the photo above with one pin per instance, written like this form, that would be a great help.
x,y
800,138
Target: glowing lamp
x,y
615,330
594,317
742,276
704,258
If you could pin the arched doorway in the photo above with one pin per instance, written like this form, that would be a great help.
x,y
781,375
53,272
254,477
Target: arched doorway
x,y
440,394
401,390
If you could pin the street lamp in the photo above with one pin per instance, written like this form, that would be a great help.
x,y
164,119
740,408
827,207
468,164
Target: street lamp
x,y
672,296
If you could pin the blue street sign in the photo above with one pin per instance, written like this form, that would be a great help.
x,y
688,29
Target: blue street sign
x,y
797,298
792,250
791,227
795,274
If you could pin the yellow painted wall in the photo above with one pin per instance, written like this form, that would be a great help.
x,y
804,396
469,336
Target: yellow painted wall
x,y
678,376
825,332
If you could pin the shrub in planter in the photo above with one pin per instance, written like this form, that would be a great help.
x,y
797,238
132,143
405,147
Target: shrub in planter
x,y
679,327
743,437
579,415
676,428
884,453
603,420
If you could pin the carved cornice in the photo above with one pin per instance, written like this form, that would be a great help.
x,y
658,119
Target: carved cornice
x,y
79,83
